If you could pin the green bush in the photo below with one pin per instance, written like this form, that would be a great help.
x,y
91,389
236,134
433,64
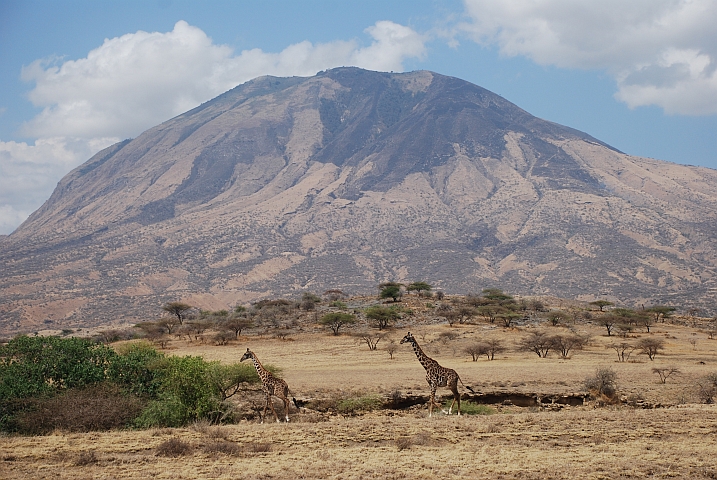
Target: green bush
x,y
186,381
35,368
472,408
36,365
132,369
166,412
169,391
365,403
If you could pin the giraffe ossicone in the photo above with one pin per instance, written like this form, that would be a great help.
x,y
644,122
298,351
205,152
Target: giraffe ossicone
x,y
271,386
437,376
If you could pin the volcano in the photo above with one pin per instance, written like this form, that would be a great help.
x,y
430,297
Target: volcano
x,y
347,179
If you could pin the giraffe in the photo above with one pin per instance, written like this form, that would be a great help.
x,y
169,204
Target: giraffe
x,y
437,376
271,386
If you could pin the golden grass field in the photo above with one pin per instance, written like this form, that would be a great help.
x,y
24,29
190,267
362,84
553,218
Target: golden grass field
x,y
676,440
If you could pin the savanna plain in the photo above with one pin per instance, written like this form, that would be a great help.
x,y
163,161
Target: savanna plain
x,y
654,427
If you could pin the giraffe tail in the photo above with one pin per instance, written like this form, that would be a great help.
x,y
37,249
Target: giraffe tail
x,y
469,388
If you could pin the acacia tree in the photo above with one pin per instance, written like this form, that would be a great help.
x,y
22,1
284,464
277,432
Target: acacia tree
x,y
335,320
475,350
450,315
492,347
489,348
660,312
623,350
665,372
419,287
370,339
237,323
167,323
177,309
496,294
391,290
490,312
566,343
601,304
608,321
539,343
508,318
382,316
645,320
556,317
465,313
650,346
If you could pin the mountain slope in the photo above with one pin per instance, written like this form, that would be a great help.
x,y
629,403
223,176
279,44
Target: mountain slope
x,y
349,178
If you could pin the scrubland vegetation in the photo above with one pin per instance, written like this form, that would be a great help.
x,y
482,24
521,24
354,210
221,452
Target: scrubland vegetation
x,y
564,389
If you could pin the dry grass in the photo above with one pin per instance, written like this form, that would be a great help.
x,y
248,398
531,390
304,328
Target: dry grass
x,y
603,443
573,442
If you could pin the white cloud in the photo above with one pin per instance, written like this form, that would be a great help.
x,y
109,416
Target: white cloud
x,y
392,43
133,82
29,173
660,52
138,80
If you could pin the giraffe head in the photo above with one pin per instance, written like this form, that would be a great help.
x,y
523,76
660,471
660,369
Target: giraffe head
x,y
408,338
248,354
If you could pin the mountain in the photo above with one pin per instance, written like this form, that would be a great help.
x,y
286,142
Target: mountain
x,y
349,178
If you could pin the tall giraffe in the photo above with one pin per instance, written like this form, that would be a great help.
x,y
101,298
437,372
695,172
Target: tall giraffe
x,y
437,376
271,386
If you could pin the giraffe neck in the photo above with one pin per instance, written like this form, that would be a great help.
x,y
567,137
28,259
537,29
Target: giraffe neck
x,y
425,360
260,370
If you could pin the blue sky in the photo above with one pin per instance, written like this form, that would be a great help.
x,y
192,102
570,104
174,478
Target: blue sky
x,y
76,76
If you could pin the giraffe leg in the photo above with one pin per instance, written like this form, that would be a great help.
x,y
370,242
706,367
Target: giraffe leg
x,y
286,408
266,404
271,404
443,409
456,397
433,402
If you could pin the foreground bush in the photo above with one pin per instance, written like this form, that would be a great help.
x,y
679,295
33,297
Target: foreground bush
x,y
79,385
603,385
99,407
471,408
35,366
353,405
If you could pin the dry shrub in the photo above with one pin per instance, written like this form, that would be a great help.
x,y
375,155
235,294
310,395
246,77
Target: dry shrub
x,y
206,428
422,438
258,447
174,447
403,443
99,407
223,447
603,385
85,458
492,427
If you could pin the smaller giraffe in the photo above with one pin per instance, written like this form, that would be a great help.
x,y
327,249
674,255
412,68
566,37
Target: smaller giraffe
x,y
271,386
437,376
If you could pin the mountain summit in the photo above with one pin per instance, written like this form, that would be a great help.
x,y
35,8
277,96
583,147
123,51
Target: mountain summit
x,y
349,178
